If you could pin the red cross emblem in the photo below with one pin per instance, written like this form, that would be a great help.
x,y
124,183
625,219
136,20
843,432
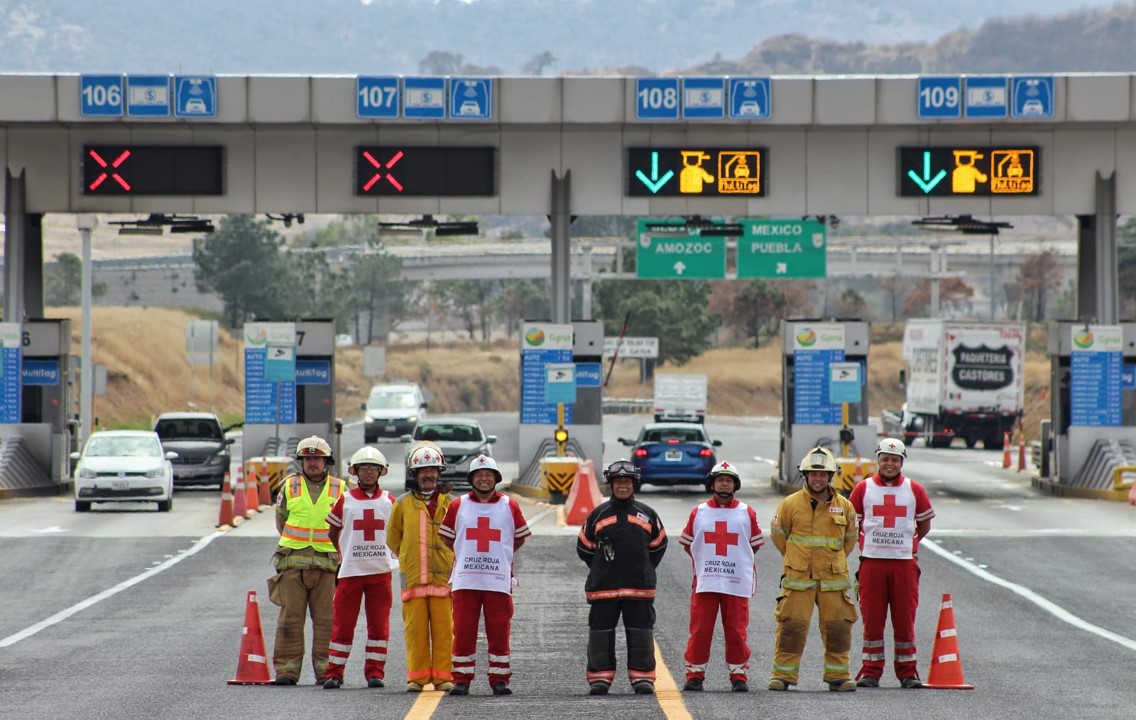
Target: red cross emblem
x,y
483,534
889,511
379,166
110,167
369,524
720,538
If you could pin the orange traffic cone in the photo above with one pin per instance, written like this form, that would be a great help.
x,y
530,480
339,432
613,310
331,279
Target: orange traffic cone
x,y
226,517
584,496
240,497
265,488
1006,450
252,496
946,665
252,667
1021,452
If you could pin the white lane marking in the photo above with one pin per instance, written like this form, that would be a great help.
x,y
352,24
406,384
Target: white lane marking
x,y
1052,608
538,517
84,604
1034,532
52,529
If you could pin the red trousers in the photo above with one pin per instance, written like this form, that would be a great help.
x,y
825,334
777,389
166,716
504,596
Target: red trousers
x,y
349,594
735,624
884,585
498,622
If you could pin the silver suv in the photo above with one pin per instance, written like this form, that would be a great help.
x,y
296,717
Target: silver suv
x,y
202,449
392,410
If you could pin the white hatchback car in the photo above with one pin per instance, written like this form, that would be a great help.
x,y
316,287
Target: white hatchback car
x,y
124,466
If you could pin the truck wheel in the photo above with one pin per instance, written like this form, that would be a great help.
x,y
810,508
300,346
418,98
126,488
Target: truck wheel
x,y
993,441
971,441
940,441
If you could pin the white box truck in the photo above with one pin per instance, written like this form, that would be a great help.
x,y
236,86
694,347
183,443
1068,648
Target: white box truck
x,y
680,398
963,379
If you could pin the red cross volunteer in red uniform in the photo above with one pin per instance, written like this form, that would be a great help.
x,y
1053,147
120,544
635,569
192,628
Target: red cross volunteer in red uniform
x,y
895,514
484,528
721,537
357,525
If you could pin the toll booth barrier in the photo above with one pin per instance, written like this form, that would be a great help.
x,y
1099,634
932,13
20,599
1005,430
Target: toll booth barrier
x,y
275,467
852,471
557,475
824,398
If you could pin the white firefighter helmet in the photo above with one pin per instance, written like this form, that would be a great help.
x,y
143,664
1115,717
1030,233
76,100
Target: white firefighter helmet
x,y
368,455
727,469
891,446
313,446
818,460
483,462
426,456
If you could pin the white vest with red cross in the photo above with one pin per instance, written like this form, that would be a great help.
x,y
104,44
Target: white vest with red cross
x,y
723,557
889,520
483,545
363,540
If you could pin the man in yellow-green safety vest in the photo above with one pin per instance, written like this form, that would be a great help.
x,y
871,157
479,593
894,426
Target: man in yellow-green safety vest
x,y
306,562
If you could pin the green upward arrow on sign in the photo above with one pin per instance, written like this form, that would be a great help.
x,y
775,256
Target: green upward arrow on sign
x,y
680,255
782,249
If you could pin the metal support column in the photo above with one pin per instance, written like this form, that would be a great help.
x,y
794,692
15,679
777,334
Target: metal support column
x,y
15,200
86,222
561,221
33,265
1097,280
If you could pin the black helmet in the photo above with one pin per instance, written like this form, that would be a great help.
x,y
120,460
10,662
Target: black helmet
x,y
622,468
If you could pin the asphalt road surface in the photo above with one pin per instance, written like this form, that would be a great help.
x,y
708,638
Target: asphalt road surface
x,y
127,613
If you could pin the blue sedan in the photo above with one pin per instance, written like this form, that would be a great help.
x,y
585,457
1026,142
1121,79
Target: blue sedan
x,y
673,453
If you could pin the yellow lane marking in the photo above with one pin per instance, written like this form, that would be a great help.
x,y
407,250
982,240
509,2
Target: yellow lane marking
x,y
670,698
425,705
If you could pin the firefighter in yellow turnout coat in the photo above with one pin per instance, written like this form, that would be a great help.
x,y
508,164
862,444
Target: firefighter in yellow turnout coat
x,y
815,530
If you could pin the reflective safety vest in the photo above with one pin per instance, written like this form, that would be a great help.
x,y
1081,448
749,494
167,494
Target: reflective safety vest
x,y
307,521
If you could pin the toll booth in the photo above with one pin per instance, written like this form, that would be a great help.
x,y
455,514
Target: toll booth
x,y
289,377
824,370
1091,443
542,347
37,433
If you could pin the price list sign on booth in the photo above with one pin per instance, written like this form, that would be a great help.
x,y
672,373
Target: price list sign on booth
x,y
542,345
816,348
10,340
1095,366
262,392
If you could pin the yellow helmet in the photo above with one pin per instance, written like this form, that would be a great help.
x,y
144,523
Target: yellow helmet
x,y
818,460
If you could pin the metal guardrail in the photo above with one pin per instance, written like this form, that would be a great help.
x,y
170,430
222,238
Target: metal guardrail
x,y
628,406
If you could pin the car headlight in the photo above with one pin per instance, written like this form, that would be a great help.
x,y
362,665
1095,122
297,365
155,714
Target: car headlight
x,y
87,474
412,419
217,460
156,473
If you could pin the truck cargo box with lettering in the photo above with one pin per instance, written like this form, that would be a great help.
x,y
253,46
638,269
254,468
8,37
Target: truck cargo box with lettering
x,y
963,379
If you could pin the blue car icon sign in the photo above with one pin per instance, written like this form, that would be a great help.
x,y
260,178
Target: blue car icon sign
x,y
195,105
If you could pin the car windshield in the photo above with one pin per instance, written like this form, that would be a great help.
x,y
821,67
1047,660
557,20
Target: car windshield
x,y
123,447
388,400
188,430
673,434
442,432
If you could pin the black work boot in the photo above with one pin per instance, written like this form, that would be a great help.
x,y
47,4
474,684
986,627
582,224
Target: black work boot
x,y
332,683
693,684
459,689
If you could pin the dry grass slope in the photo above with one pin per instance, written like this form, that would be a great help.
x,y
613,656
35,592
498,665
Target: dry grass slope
x,y
147,373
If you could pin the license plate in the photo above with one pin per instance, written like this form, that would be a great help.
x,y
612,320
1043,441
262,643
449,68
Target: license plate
x,y
390,428
119,485
184,473
673,455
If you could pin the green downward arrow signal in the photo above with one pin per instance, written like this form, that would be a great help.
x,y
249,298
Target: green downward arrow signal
x,y
655,182
926,183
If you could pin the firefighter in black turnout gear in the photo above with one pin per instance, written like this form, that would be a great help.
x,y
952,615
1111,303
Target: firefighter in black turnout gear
x,y
622,541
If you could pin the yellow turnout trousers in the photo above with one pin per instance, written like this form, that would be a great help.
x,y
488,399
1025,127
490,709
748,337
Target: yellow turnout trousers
x,y
793,613
429,627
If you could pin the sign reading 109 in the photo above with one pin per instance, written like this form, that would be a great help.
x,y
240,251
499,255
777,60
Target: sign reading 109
x,y
940,97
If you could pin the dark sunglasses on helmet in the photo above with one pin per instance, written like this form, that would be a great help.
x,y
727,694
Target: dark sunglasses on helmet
x,y
621,468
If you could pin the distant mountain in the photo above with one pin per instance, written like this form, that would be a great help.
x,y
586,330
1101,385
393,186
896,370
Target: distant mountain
x,y
561,36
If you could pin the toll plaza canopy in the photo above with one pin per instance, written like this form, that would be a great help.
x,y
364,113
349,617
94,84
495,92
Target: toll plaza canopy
x,y
859,145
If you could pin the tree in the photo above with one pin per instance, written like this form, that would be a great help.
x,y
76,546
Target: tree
x,y
676,312
439,62
521,299
63,281
851,304
1039,275
537,64
470,300
954,294
895,287
1126,266
750,309
242,263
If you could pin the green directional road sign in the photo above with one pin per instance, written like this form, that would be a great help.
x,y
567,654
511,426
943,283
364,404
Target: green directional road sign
x,y
782,249
682,255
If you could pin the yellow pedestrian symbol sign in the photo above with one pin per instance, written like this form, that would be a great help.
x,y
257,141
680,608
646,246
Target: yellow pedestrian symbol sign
x,y
739,171
693,175
966,176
